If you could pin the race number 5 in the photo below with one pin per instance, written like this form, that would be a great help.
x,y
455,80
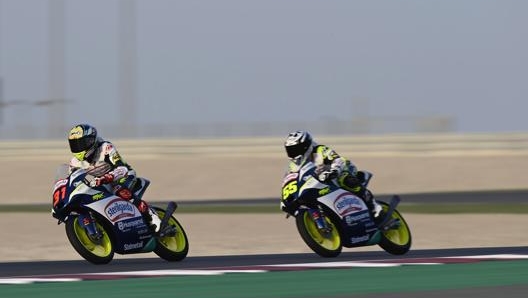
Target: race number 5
x,y
289,189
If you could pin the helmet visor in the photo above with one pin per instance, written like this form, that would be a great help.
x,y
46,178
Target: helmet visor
x,y
296,150
82,144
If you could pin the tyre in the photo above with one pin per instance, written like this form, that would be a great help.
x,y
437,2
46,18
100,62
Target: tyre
x,y
396,241
172,248
96,252
325,244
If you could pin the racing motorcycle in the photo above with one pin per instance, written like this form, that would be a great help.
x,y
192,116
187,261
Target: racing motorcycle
x,y
329,218
99,223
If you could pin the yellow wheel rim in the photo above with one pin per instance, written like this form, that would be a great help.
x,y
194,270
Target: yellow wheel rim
x,y
399,236
174,243
330,241
103,249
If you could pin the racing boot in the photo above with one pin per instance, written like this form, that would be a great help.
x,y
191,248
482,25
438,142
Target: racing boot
x,y
150,216
374,207
155,221
148,213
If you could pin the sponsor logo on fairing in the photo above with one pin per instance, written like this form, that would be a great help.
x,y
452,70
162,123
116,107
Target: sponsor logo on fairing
x,y
130,246
347,203
351,219
371,229
350,222
118,209
126,225
144,235
324,191
359,239
98,196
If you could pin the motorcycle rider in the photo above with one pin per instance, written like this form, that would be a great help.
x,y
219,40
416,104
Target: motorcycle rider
x,y
92,152
300,146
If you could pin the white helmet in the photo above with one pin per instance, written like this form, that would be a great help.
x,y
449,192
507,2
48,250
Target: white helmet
x,y
298,143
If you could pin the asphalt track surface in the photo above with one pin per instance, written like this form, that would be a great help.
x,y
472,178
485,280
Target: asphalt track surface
x,y
72,267
517,289
17,269
12,269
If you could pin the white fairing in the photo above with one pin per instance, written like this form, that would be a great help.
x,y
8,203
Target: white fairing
x,y
82,188
311,183
115,209
343,202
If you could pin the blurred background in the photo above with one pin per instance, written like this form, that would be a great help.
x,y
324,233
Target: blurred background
x,y
165,68
199,95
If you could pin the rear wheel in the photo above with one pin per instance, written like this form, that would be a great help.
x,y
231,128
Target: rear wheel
x,y
100,251
325,244
172,248
397,240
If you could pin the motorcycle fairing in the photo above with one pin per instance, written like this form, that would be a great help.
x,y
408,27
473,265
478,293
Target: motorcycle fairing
x,y
131,232
355,219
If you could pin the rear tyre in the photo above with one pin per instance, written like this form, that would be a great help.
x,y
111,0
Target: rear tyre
x,y
325,244
96,252
172,248
396,241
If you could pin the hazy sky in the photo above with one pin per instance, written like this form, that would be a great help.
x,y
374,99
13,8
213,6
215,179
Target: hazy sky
x,y
279,60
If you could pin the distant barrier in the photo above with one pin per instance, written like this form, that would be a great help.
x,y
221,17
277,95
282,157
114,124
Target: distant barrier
x,y
436,144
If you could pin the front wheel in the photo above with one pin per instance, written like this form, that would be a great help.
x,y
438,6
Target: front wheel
x,y
397,240
100,251
325,244
172,248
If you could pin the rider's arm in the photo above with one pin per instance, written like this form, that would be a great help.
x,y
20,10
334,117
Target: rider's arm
x,y
120,168
327,156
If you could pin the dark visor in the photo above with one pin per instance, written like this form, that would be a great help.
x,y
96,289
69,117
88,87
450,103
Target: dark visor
x,y
296,150
82,144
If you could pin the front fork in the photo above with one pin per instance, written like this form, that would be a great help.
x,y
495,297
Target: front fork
x,y
88,223
319,218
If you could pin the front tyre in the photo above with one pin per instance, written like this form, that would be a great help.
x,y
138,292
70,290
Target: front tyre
x,y
396,241
96,252
325,244
172,248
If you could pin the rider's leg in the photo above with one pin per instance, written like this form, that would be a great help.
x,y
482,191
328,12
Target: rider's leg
x,y
127,189
355,185
150,215
374,207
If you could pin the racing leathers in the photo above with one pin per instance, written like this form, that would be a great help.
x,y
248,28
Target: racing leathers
x,y
109,168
